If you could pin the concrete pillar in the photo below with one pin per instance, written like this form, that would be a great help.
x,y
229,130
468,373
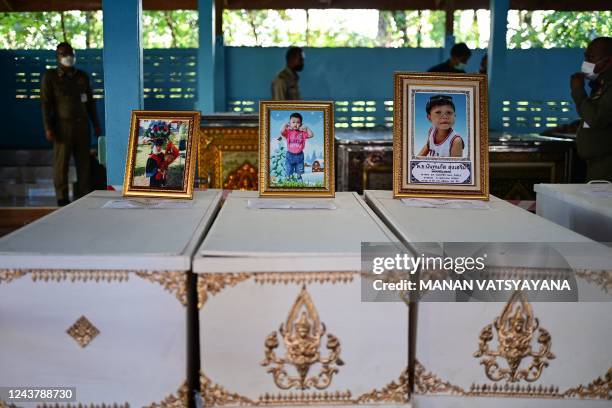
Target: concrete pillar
x,y
123,79
497,62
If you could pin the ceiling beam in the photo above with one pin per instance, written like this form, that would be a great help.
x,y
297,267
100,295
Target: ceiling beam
x,y
63,5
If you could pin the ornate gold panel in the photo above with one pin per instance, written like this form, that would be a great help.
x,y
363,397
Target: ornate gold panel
x,y
225,152
302,334
515,329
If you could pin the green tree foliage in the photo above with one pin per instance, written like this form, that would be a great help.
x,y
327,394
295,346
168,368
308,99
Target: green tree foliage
x,y
83,29
420,28
44,30
550,29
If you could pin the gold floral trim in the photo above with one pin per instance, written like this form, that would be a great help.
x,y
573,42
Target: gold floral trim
x,y
215,395
396,392
599,278
79,405
6,276
212,283
307,398
599,388
427,383
304,277
173,281
79,276
177,400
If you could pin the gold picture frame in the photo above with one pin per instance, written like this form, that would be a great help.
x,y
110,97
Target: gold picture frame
x,y
311,171
170,172
447,115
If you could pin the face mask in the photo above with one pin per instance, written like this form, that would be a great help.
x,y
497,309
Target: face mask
x,y
460,66
68,61
587,69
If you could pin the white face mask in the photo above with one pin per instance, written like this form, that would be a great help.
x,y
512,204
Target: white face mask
x,y
68,61
460,66
587,69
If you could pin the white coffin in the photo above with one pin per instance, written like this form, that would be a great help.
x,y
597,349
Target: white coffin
x,y
124,271
572,206
254,264
448,374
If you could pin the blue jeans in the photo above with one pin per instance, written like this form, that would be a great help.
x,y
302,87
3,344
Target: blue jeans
x,y
294,163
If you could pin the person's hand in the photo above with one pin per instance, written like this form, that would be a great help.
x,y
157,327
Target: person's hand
x,y
603,65
577,81
303,128
98,130
50,135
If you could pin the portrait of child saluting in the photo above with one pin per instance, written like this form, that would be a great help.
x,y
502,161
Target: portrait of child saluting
x,y
442,140
295,134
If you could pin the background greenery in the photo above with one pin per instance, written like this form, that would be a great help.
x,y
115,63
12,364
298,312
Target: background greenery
x,y
422,28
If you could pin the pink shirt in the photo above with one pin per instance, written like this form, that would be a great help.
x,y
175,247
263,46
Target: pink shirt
x,y
296,140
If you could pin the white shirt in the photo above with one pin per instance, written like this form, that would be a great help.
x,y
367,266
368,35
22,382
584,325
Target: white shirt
x,y
442,149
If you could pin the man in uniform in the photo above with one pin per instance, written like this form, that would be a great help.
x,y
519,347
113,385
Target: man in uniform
x,y
67,107
460,54
594,138
285,84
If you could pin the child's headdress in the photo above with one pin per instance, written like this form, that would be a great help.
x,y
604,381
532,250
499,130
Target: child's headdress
x,y
158,131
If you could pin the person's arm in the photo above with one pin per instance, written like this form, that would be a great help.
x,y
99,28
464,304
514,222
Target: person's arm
x,y
91,107
172,151
48,106
308,132
456,149
425,150
283,131
279,90
597,113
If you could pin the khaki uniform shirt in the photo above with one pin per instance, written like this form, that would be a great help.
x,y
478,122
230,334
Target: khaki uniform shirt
x,y
285,86
594,139
67,100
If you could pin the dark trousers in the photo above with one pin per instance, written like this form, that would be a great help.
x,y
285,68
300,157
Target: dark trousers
x,y
600,168
72,140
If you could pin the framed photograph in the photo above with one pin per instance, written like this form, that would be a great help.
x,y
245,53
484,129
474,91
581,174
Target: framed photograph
x,y
440,136
161,154
296,149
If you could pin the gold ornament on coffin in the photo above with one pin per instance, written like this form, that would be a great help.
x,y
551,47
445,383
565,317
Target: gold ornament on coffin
x,y
83,331
301,336
243,178
176,400
515,330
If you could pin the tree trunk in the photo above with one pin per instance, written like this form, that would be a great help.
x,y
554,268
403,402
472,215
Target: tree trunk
x,y
307,28
253,25
170,22
88,23
65,36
